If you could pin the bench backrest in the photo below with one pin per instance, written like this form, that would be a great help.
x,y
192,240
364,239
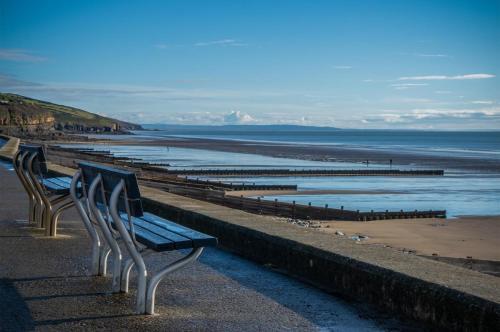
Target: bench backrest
x,y
40,162
111,177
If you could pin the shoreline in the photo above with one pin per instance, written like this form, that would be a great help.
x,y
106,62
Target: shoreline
x,y
327,153
250,193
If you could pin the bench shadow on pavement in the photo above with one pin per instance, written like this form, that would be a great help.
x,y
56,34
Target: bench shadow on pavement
x,y
14,313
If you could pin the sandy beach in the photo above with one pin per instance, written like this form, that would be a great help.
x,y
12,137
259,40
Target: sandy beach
x,y
476,237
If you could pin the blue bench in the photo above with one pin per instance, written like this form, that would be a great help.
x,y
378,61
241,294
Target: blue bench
x,y
111,209
44,192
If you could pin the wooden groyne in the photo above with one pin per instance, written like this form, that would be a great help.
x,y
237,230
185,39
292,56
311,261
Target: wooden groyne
x,y
238,186
305,172
293,210
217,185
301,211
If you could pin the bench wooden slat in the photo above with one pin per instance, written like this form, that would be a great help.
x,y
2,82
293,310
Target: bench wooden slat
x,y
55,187
180,242
52,185
150,239
59,185
60,181
199,239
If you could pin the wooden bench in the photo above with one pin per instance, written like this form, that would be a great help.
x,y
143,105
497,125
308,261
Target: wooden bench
x,y
44,192
111,200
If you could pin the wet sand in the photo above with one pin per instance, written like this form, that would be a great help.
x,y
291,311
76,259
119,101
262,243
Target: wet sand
x,y
250,193
320,153
476,237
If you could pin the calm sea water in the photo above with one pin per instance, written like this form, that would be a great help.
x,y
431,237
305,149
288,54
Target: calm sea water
x,y
471,144
458,192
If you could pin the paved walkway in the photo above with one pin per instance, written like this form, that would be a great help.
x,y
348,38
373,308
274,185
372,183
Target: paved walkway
x,y
44,285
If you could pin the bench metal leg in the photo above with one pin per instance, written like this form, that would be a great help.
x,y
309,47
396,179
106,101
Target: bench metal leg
x,y
94,236
117,255
103,261
18,162
127,267
31,217
129,244
43,202
155,280
38,207
52,214
55,217
39,212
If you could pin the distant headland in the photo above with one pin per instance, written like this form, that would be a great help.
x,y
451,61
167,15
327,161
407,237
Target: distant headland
x,y
20,115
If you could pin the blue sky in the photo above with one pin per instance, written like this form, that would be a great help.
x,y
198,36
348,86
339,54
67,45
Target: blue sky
x,y
352,64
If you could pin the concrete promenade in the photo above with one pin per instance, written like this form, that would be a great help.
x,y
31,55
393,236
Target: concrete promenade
x,y
44,285
9,149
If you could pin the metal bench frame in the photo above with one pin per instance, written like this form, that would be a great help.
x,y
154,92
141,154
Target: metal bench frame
x,y
30,166
17,162
103,219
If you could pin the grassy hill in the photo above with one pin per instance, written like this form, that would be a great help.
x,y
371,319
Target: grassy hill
x,y
24,112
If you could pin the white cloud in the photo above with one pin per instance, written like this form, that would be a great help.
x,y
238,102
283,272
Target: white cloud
x,y
237,117
455,113
221,42
11,82
409,84
444,77
161,46
392,118
417,115
483,102
19,55
404,86
433,55
342,67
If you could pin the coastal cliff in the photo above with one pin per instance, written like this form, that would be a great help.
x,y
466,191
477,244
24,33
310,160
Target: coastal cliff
x,y
23,115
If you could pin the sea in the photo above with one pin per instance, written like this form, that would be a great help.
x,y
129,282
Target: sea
x,y
460,192
455,143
